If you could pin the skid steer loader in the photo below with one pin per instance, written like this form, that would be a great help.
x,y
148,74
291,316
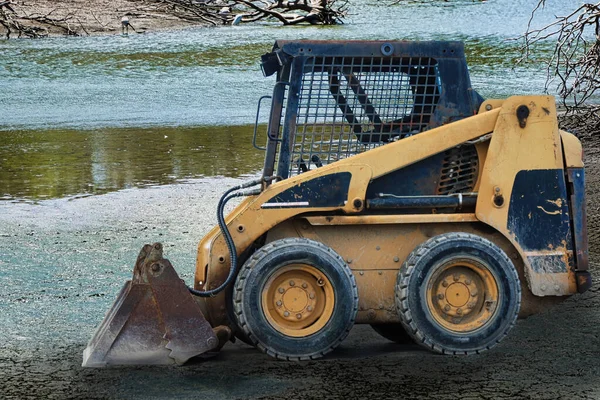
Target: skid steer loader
x,y
392,194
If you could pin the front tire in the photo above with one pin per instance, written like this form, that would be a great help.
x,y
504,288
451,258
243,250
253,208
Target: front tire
x,y
458,293
295,299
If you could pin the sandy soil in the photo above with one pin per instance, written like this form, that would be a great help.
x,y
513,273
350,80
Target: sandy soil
x,y
98,16
553,355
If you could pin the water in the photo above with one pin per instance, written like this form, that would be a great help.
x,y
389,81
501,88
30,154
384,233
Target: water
x,y
89,115
43,164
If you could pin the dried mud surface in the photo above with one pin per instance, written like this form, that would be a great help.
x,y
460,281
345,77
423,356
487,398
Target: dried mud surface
x,y
97,17
553,355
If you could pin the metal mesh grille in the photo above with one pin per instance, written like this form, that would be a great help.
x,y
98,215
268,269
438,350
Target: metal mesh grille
x,y
459,170
348,105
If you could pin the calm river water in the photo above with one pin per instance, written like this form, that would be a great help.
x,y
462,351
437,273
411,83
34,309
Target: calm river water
x,y
96,114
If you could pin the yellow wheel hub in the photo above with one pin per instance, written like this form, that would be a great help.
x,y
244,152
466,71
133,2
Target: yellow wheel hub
x,y
462,295
298,300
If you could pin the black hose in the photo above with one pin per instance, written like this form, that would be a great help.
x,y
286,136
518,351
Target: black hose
x,y
227,236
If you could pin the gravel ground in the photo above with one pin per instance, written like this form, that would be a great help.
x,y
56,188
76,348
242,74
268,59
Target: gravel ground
x,y
62,263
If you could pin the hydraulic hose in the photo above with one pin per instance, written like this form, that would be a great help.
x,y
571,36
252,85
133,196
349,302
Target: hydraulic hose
x,y
227,236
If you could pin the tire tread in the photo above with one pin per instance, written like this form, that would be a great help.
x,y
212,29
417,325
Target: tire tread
x,y
406,272
249,266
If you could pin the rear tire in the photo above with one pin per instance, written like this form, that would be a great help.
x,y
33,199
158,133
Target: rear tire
x,y
458,293
393,332
295,299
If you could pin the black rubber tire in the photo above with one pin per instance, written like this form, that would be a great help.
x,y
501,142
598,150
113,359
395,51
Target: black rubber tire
x,y
237,332
256,272
411,289
393,332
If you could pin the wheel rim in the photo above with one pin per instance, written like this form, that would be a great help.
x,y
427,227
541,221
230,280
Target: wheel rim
x,y
298,300
462,295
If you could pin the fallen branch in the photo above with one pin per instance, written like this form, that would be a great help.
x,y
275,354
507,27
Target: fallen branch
x,y
325,12
34,21
12,18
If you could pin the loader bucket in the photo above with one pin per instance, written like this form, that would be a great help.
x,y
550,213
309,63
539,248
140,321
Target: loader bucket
x,y
155,320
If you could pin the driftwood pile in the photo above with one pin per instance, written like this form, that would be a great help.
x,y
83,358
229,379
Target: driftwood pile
x,y
287,12
16,20
36,22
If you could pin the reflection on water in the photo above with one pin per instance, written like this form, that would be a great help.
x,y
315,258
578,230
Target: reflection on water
x,y
59,163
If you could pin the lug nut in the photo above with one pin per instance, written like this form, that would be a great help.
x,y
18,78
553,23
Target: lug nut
x,y
286,314
311,296
281,290
456,277
447,307
298,316
471,305
468,282
459,311
309,308
304,285
279,303
474,293
292,283
444,284
441,296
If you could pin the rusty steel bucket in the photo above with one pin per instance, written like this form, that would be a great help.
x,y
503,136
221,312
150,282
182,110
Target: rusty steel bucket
x,y
155,320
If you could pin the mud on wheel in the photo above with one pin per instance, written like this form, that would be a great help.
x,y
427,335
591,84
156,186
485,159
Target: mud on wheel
x,y
295,299
458,293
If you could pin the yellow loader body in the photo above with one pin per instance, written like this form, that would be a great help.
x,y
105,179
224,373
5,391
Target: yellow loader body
x,y
393,195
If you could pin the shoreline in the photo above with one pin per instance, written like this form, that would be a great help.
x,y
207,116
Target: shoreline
x,y
93,18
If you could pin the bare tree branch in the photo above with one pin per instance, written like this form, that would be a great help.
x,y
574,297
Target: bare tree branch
x,y
287,12
575,61
11,18
39,21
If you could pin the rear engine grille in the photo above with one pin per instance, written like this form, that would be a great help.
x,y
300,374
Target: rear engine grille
x,y
459,170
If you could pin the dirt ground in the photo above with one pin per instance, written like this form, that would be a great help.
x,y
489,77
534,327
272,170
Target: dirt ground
x,y
97,17
553,355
